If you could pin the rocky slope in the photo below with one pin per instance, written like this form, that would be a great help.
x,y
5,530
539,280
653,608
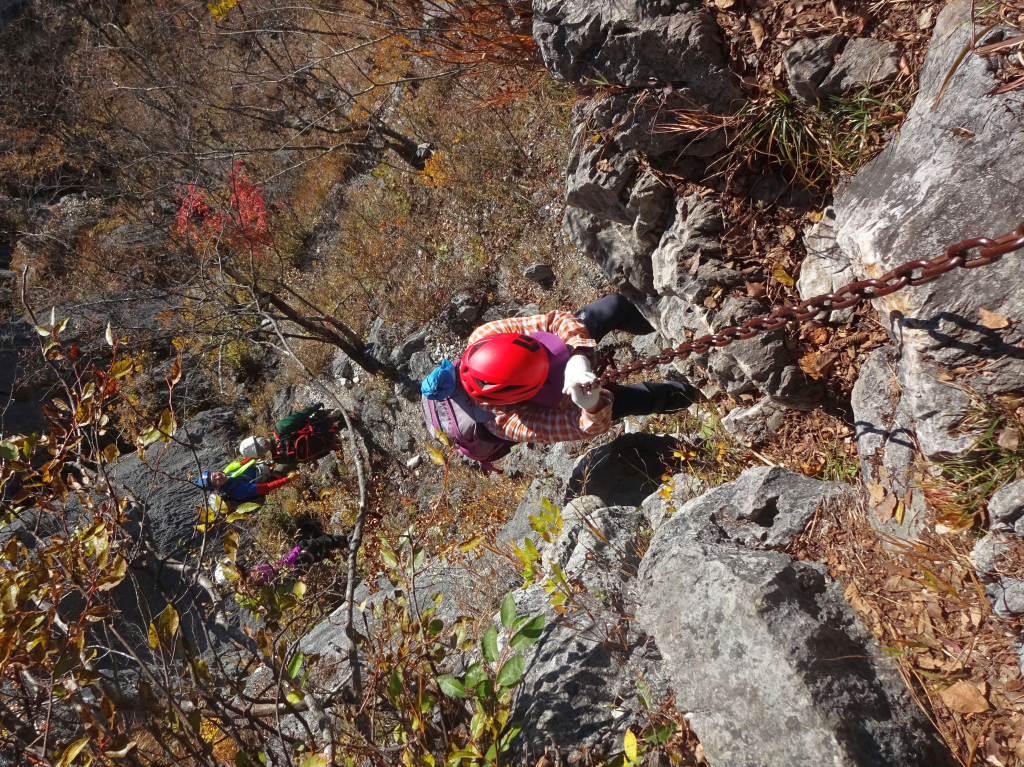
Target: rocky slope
x,y
686,592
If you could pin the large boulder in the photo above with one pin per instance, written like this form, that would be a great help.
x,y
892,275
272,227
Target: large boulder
x,y
772,663
671,279
825,268
631,43
624,257
164,484
952,175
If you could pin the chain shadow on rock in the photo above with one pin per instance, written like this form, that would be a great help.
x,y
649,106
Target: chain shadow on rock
x,y
997,347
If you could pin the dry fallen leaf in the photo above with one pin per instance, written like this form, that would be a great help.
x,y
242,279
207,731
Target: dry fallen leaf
x,y
992,320
824,362
781,276
710,302
690,265
819,335
1009,438
809,364
876,494
758,31
605,166
756,289
858,604
723,4
787,235
886,509
964,698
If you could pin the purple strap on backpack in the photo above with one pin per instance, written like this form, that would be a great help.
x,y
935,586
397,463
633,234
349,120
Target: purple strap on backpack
x,y
550,394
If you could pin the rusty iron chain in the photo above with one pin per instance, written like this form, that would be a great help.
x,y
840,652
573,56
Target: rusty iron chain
x,y
911,273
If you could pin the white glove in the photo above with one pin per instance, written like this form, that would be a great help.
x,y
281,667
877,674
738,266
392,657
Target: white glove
x,y
578,375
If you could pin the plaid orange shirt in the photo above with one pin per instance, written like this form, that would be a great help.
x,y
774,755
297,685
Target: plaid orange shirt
x,y
525,422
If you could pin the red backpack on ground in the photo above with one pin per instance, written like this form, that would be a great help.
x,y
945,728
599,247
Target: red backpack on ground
x,y
312,441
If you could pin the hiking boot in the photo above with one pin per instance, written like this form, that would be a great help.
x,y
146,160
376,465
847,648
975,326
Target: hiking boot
x,y
681,396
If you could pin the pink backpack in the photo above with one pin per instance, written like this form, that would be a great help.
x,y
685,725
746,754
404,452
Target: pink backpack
x,y
463,422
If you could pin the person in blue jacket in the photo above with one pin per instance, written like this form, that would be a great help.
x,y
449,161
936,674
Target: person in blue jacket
x,y
243,480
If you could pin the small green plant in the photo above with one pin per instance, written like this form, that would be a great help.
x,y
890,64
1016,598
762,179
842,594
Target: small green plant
x,y
549,522
832,462
488,683
444,718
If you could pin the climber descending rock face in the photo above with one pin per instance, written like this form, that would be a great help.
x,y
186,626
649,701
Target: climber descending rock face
x,y
531,380
301,437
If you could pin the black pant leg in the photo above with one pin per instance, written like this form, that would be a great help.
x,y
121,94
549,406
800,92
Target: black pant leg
x,y
613,312
650,398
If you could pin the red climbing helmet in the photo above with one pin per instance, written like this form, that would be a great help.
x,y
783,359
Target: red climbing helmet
x,y
503,368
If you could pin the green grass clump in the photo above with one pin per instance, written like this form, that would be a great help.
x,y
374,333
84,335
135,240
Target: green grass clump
x,y
818,145
960,490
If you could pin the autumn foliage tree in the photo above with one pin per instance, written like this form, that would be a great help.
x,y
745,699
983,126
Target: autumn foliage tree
x,y
241,289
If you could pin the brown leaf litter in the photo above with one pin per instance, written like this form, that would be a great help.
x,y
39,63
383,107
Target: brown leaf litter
x,y
922,601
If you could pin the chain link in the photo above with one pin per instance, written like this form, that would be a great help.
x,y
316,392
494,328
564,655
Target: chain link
x,y
911,273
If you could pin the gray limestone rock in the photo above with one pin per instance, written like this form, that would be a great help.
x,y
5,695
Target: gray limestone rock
x,y
414,342
420,365
464,308
884,430
825,268
658,509
765,507
648,345
1006,506
161,483
579,691
759,364
598,179
623,472
631,43
808,63
554,461
933,188
687,268
341,367
688,245
402,440
648,204
773,664
1007,597
624,258
757,423
379,342
1004,590
539,273
863,62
